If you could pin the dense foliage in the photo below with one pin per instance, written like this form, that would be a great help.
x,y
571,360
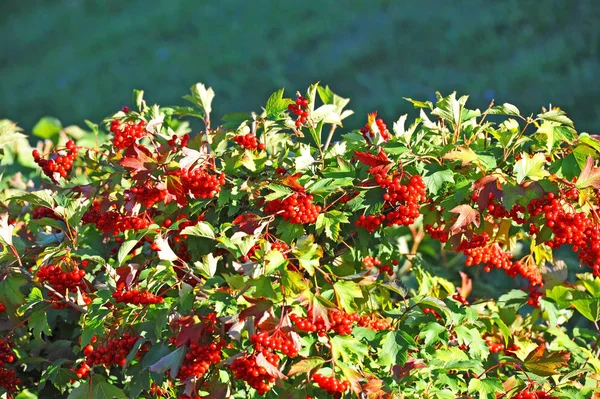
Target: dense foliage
x,y
265,257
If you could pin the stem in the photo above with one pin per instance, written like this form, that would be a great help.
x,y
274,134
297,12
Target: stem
x,y
333,127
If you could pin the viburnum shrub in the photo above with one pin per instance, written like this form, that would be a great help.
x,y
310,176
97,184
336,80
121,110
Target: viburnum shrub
x,y
283,255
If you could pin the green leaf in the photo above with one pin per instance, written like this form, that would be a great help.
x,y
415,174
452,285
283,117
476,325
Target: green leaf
x,y
201,97
171,362
47,127
10,291
589,308
9,133
394,347
278,192
276,104
436,176
330,223
201,229
208,265
125,249
431,333
556,115
275,261
345,292
554,133
38,323
531,167
348,348
504,109
486,387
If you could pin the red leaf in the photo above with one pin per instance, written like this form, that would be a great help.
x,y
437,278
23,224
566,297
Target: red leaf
x,y
466,216
248,222
190,331
292,182
466,285
486,185
410,365
258,309
126,275
546,365
138,158
379,163
175,189
261,361
590,175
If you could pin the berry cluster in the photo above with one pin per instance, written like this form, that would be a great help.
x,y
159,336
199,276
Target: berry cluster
x,y
61,162
429,311
136,297
249,142
437,233
115,222
62,281
147,194
373,322
201,183
527,394
8,377
199,359
114,352
403,201
478,250
368,133
184,140
41,212
405,198
277,341
331,384
246,369
459,298
127,133
370,222
368,261
299,108
495,347
298,208
340,322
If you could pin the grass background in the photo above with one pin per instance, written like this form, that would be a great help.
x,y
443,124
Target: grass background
x,y
77,59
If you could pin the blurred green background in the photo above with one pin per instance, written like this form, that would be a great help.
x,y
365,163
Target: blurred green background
x,y
77,59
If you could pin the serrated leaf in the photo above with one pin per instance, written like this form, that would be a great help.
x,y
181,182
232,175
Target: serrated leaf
x,y
10,291
275,261
306,365
345,293
556,115
305,159
278,192
466,215
504,109
435,178
201,229
546,364
208,265
202,97
38,323
394,347
531,167
171,362
348,348
590,175
261,361
330,223
464,154
486,387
